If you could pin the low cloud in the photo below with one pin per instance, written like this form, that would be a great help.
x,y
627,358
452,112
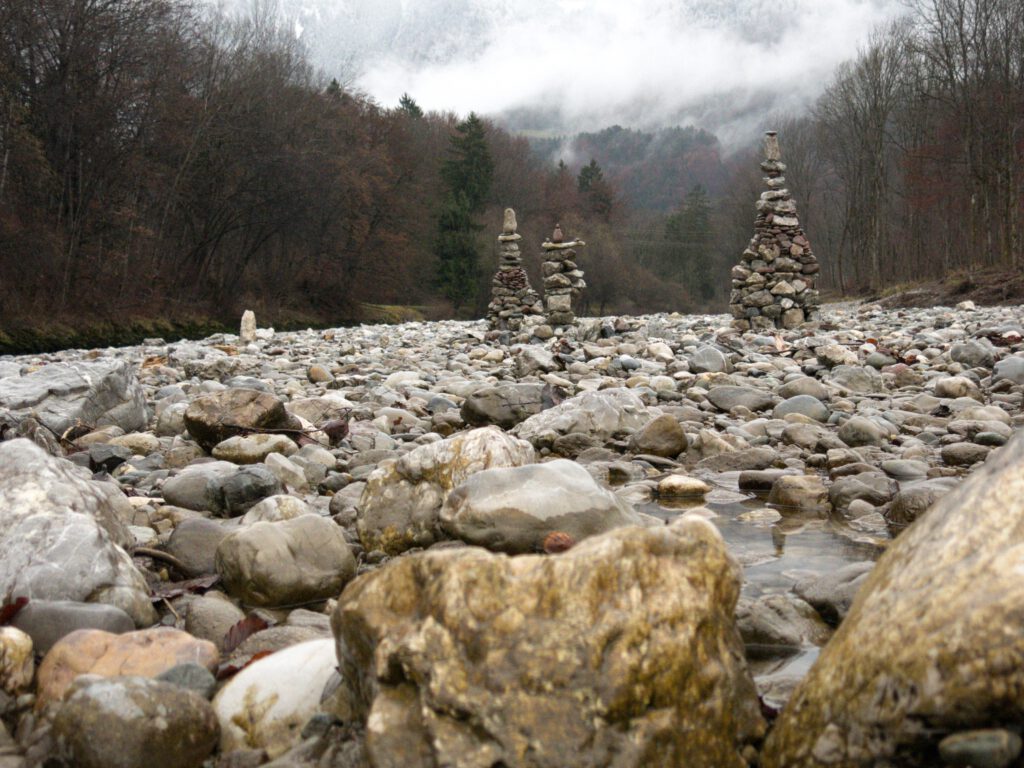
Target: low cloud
x,y
583,65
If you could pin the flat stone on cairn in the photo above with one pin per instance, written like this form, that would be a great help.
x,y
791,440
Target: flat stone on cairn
x,y
773,285
563,279
512,297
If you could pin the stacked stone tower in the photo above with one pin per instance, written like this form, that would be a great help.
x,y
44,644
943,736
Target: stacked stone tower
x,y
563,279
512,298
773,285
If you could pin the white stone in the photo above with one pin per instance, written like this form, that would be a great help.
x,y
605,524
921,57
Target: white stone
x,y
266,705
247,331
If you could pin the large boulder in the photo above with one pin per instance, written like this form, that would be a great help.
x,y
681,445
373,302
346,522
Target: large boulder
x,y
292,561
402,499
215,417
933,640
93,394
600,415
514,509
62,535
622,651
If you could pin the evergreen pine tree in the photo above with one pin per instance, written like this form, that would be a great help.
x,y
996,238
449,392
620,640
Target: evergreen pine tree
x,y
597,193
468,173
690,237
408,105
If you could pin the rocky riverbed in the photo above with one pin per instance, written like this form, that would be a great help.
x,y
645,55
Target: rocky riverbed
x,y
651,544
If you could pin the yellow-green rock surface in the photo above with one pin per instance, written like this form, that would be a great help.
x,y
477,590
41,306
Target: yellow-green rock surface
x,y
622,651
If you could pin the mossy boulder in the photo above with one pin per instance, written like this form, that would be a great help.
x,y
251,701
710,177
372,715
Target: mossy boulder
x,y
622,651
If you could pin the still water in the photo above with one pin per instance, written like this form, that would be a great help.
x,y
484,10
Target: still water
x,y
775,555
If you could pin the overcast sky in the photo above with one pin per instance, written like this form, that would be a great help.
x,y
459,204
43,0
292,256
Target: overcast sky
x,y
596,62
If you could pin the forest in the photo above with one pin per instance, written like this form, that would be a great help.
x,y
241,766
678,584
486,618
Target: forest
x,y
165,166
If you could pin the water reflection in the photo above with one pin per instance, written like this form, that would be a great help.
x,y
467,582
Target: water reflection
x,y
775,552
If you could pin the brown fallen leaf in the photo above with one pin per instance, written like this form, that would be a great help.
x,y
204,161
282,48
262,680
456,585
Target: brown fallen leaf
x,y
9,610
243,630
224,671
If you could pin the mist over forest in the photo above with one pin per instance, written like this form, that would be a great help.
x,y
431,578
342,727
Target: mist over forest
x,y
169,162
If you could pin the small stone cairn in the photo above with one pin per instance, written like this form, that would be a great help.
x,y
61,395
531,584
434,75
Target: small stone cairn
x,y
563,279
512,298
773,285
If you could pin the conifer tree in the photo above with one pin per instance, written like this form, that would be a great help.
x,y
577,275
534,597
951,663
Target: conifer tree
x,y
690,238
468,173
408,105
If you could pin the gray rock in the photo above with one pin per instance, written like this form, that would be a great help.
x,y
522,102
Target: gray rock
x,y
533,358
192,677
505,405
805,405
905,469
199,487
294,561
662,436
803,385
760,480
856,379
249,485
194,543
858,431
601,415
913,500
760,457
514,509
972,354
872,487
779,620
210,618
727,397
990,748
832,593
252,449
964,454
135,722
708,360
47,621
800,493
61,395
62,535
1009,369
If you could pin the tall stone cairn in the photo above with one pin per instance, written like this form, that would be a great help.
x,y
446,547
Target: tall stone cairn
x,y
563,279
773,285
512,298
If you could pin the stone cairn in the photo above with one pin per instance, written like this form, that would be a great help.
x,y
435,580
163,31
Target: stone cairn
x,y
773,285
512,298
563,279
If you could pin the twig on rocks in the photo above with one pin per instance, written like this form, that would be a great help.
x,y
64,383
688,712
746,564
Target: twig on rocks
x,y
159,554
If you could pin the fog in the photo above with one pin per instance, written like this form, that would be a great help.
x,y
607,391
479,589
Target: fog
x,y
585,64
